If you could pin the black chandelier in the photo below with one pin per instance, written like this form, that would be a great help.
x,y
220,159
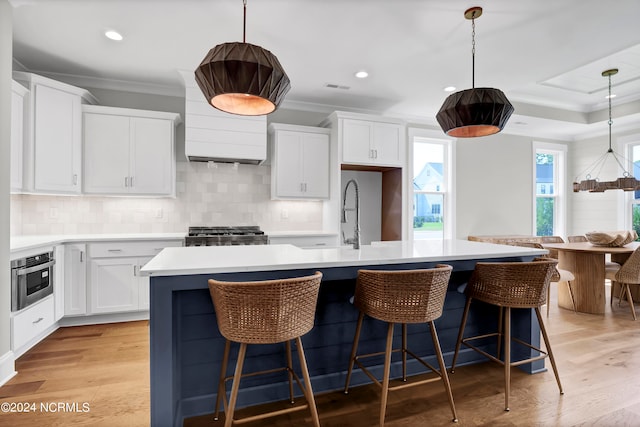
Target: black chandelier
x,y
242,78
477,111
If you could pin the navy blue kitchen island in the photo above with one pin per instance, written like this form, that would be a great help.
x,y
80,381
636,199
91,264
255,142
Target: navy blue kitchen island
x,y
186,346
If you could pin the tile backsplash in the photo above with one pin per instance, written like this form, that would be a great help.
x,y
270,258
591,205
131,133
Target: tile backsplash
x,y
204,196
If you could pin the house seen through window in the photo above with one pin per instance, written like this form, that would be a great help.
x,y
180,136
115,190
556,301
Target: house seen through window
x,y
550,202
428,184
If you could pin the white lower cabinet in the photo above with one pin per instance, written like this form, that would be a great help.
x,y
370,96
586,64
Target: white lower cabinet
x,y
29,323
114,286
115,283
75,279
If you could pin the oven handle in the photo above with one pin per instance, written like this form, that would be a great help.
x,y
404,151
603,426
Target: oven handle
x,y
24,271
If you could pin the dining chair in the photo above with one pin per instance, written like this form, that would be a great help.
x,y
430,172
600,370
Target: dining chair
x,y
560,275
628,274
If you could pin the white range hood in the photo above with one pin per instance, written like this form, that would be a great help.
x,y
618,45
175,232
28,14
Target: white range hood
x,y
213,135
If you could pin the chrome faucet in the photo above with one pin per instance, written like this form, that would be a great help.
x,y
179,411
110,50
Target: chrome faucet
x,y
355,240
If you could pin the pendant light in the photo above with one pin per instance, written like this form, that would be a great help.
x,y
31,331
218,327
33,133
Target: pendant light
x,y
477,111
242,78
627,182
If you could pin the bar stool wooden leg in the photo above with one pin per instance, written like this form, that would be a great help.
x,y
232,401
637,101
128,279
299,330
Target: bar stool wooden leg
x,y
500,331
354,348
228,420
549,297
387,373
290,370
443,369
465,313
545,337
308,391
223,373
507,357
404,352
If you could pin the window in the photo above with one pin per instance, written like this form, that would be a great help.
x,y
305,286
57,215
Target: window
x,y
632,213
549,199
432,207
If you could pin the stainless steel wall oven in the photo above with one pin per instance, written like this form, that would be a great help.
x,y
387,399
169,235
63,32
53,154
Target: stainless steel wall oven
x,y
31,279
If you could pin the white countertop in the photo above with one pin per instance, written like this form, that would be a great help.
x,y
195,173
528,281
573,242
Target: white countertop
x,y
18,243
233,259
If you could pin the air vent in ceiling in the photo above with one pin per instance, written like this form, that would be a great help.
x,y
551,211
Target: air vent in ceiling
x,y
335,86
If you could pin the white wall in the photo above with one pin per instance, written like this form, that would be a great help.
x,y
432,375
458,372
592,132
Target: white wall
x,y
494,182
6,38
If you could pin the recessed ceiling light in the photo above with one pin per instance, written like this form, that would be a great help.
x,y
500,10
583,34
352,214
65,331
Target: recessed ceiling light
x,y
113,35
362,74
449,88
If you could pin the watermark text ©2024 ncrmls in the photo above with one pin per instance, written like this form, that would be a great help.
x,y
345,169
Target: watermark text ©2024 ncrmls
x,y
46,407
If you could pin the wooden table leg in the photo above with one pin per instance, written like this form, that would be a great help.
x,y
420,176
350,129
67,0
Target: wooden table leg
x,y
588,287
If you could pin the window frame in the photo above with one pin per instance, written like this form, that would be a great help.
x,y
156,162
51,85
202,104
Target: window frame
x,y
559,185
447,190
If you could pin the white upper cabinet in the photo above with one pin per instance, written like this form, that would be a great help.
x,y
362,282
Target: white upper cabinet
x,y
53,137
18,93
129,151
368,140
372,143
300,162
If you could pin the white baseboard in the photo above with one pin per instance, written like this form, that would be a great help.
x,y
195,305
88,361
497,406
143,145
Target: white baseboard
x,y
103,318
7,367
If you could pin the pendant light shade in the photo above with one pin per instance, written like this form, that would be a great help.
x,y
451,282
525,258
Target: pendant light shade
x,y
477,111
242,78
474,112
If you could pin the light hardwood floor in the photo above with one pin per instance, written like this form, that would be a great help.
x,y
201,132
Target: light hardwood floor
x,y
107,366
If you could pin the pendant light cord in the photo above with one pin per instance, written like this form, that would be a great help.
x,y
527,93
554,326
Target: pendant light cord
x,y
473,51
244,22
610,121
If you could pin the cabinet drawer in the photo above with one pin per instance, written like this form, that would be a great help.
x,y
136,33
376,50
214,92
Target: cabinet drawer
x,y
129,248
32,321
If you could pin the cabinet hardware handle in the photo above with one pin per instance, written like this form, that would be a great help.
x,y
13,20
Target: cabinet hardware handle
x,y
301,187
81,256
375,154
126,181
40,319
130,181
114,250
75,179
134,271
305,187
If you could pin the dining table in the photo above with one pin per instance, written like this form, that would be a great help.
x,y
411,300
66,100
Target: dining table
x,y
587,263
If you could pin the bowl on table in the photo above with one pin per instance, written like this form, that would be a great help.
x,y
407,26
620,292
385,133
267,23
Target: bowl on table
x,y
611,238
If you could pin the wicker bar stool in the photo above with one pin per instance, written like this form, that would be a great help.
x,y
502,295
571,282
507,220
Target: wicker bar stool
x,y
509,285
559,276
409,296
265,312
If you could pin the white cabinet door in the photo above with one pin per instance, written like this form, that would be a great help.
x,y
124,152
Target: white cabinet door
x,y
57,140
114,285
106,153
315,165
387,148
300,163
75,279
288,165
151,156
356,141
17,135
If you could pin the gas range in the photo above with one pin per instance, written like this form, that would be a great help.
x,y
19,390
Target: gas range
x,y
226,236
